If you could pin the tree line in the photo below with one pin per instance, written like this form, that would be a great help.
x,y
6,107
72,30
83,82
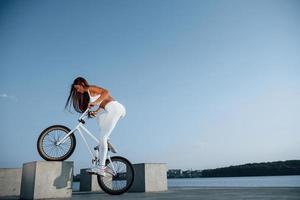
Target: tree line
x,y
289,167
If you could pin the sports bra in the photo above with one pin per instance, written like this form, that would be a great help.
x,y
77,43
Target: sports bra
x,y
94,98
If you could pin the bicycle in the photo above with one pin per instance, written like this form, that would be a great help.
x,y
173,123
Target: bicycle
x,y
58,142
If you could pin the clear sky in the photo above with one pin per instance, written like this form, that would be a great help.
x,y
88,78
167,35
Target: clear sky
x,y
205,83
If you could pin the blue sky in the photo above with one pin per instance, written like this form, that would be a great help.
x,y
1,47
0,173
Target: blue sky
x,y
205,83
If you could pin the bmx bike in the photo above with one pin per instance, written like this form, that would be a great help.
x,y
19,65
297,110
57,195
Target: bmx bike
x,y
58,142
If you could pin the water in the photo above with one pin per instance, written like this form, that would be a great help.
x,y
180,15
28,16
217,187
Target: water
x,y
75,186
253,181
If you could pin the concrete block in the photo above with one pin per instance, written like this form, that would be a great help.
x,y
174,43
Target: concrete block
x,y
47,179
10,182
88,182
149,177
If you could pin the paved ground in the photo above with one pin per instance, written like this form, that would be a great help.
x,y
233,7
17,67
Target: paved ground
x,y
201,193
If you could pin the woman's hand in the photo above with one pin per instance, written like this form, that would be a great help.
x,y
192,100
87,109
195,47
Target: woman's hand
x,y
91,104
93,113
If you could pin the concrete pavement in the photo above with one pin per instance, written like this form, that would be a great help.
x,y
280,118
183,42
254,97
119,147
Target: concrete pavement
x,y
205,193
202,193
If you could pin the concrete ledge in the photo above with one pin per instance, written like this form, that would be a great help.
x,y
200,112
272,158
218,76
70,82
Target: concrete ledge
x,y
47,179
149,177
10,182
88,182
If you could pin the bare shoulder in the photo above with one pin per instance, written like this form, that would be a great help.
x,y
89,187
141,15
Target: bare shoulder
x,y
97,89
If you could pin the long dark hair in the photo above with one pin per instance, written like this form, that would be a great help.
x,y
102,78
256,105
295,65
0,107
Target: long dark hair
x,y
78,100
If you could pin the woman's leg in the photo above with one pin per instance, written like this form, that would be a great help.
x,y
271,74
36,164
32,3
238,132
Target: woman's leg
x,y
107,122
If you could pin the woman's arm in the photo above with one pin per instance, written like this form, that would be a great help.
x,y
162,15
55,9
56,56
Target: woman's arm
x,y
97,110
104,94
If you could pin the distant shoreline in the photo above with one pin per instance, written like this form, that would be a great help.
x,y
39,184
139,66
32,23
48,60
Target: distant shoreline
x,y
276,168
231,176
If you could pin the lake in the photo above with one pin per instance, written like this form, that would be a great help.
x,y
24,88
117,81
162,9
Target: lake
x,y
251,181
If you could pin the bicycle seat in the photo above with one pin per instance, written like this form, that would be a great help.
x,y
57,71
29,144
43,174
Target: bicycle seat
x,y
110,147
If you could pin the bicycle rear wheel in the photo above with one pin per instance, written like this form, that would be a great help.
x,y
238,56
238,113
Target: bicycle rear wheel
x,y
47,147
120,182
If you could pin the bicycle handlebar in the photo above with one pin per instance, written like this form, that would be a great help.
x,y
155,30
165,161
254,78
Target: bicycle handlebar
x,y
83,114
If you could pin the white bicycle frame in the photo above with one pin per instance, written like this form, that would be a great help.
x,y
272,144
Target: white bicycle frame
x,y
81,129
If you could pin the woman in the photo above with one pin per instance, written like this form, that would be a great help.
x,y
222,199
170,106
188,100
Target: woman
x,y
85,96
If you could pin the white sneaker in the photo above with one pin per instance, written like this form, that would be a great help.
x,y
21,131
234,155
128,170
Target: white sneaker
x,y
97,170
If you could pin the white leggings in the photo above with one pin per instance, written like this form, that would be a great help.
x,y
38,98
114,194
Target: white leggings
x,y
107,120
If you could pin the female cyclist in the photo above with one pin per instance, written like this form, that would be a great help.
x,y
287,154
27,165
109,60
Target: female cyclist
x,y
85,96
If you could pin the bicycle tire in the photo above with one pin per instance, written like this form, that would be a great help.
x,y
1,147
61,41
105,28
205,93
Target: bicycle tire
x,y
41,143
128,185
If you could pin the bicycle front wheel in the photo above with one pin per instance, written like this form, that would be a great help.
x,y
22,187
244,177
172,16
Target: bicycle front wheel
x,y
47,143
119,182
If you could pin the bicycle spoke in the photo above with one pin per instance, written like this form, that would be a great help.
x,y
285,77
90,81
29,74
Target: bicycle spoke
x,y
50,152
50,138
55,137
107,180
49,144
59,151
62,150
117,184
121,180
118,167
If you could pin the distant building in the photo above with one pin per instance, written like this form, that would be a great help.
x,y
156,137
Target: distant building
x,y
178,173
174,173
187,174
196,173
